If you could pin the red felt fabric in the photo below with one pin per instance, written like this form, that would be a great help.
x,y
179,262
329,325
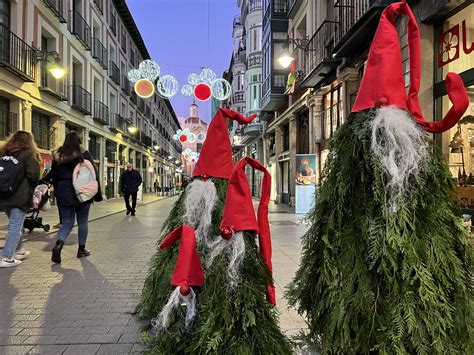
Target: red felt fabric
x,y
239,214
188,270
215,159
383,84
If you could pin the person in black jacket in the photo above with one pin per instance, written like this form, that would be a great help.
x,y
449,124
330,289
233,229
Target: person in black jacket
x,y
65,160
129,183
20,146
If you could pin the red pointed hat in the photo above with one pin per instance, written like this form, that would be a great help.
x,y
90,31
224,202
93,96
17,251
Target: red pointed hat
x,y
215,159
239,214
383,84
188,270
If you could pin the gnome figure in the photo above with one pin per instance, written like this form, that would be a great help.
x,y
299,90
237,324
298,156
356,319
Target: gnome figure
x,y
387,265
222,316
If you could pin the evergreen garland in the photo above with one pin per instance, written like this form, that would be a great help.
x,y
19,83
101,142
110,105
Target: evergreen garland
x,y
237,322
374,281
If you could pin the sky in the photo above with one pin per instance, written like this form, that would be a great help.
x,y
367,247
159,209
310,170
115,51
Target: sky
x,y
177,37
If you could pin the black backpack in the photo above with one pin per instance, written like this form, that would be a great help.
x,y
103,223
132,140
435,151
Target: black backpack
x,y
11,174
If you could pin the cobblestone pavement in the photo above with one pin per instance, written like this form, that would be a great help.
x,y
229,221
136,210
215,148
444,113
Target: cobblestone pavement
x,y
83,305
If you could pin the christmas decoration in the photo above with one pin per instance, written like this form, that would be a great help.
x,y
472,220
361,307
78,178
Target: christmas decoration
x,y
185,135
227,318
145,77
144,88
206,85
167,86
149,69
386,265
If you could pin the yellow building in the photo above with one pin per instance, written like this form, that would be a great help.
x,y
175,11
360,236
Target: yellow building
x,y
97,42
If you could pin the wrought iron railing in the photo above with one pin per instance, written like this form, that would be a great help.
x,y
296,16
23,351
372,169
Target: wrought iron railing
x,y
81,99
114,72
145,139
81,29
117,123
255,5
101,112
15,54
8,123
99,52
58,7
239,96
320,46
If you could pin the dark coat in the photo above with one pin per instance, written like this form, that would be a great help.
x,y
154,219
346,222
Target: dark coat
x,y
130,181
60,176
22,198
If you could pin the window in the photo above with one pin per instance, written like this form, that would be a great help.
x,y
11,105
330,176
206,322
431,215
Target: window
x,y
40,127
286,137
333,115
5,13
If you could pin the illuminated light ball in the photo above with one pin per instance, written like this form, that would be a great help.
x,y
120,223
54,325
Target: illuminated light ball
x,y
193,79
201,137
184,290
192,138
134,75
207,75
167,86
149,69
183,138
202,92
187,90
144,88
175,137
221,89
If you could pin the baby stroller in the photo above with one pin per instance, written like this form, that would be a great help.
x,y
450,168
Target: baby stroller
x,y
40,203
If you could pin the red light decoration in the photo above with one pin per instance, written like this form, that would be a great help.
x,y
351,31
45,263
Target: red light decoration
x,y
202,92
183,138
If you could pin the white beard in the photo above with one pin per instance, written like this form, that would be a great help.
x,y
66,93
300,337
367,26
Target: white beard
x,y
234,248
401,145
201,197
161,321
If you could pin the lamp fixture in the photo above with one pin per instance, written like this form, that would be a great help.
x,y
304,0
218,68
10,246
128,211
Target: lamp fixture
x,y
156,147
132,129
54,67
286,57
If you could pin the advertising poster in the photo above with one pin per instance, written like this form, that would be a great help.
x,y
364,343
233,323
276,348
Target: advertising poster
x,y
305,179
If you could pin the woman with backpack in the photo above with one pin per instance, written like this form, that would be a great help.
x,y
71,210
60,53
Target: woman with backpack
x,y
19,174
69,161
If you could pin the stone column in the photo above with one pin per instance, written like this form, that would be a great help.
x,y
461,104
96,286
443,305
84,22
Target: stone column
x,y
278,150
26,115
59,129
85,138
351,80
293,141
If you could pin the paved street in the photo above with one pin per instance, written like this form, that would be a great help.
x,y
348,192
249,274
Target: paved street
x,y
83,305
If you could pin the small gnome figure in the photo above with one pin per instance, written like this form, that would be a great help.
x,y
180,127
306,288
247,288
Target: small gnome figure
x,y
188,272
387,265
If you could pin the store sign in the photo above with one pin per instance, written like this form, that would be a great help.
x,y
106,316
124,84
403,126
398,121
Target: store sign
x,y
452,43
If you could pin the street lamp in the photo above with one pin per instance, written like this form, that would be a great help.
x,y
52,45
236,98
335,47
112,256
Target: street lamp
x,y
286,57
132,129
55,68
156,147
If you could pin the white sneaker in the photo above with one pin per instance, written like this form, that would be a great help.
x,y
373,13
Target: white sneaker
x,y
9,262
21,254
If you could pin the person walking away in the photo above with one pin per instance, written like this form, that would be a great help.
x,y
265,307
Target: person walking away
x,y
72,204
19,174
156,187
129,183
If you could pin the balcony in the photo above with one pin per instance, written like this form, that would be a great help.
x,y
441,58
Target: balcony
x,y
237,21
99,52
100,5
81,99
318,61
141,105
255,60
8,123
145,139
255,5
239,96
273,92
81,30
51,85
16,56
358,21
117,123
113,23
101,113
251,131
58,8
114,72
293,7
125,85
148,111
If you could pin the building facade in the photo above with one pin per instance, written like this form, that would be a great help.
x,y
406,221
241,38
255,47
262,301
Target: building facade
x,y
199,128
334,39
97,42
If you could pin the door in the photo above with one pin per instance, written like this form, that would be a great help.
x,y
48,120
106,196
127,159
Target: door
x,y
110,182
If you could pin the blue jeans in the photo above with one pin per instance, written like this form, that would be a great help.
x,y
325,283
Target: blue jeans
x,y
67,213
16,217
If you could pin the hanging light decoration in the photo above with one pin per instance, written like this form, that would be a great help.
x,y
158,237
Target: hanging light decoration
x,y
167,86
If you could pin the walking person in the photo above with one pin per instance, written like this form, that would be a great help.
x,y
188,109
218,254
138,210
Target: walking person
x,y
156,187
19,174
129,184
65,160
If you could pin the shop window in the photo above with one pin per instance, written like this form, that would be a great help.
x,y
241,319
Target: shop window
x,y
333,114
94,146
286,138
41,129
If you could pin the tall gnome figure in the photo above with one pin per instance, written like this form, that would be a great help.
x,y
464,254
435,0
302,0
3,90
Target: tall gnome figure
x,y
209,289
387,265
